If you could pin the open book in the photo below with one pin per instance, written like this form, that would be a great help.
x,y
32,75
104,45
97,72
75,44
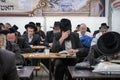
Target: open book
x,y
65,53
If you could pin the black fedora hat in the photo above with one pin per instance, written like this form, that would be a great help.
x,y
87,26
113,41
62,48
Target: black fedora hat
x,y
31,23
13,29
31,26
104,25
5,32
56,25
109,43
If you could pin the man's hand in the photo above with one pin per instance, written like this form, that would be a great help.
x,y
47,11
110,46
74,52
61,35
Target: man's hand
x,y
65,35
72,51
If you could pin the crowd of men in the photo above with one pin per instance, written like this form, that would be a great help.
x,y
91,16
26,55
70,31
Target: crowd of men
x,y
13,44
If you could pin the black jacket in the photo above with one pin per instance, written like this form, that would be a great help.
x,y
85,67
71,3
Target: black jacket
x,y
7,66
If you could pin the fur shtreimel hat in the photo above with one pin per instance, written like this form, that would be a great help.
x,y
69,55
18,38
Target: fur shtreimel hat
x,y
109,43
65,24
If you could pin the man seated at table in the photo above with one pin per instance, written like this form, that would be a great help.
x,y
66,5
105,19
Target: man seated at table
x,y
69,41
30,36
7,45
13,37
50,34
32,39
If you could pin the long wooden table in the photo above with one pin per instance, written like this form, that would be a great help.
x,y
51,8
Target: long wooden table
x,y
44,56
37,47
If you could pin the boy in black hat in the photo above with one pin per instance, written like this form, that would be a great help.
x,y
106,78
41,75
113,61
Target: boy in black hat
x,y
68,41
30,36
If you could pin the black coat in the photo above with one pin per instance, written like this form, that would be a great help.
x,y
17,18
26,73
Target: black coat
x,y
35,40
76,44
49,38
16,50
7,66
24,46
41,33
74,37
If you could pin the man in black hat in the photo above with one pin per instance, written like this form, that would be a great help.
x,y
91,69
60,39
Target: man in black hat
x,y
97,31
7,45
30,36
14,37
50,34
103,29
49,41
68,41
40,32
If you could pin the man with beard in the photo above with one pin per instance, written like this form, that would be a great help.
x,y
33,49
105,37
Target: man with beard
x,y
69,41
50,34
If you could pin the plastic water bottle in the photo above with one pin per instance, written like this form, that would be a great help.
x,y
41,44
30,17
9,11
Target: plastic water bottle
x,y
47,50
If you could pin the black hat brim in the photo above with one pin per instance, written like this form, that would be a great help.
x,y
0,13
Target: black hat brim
x,y
32,26
5,32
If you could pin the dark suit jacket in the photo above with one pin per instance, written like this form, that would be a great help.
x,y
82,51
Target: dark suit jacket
x,y
35,40
24,46
74,37
76,44
7,66
41,33
49,38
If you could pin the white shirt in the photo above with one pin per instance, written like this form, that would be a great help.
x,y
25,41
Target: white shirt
x,y
68,45
94,41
